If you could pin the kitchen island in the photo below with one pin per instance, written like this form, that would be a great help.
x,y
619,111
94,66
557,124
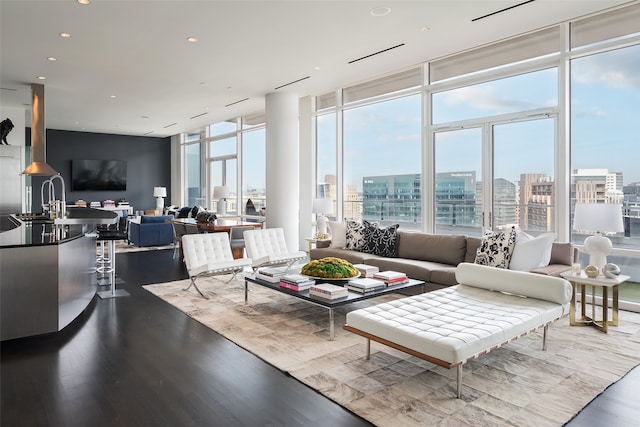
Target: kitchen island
x,y
47,270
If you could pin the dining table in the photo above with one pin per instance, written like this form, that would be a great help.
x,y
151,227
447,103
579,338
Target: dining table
x,y
220,225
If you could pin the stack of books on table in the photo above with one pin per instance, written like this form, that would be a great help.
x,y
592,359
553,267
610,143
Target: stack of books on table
x,y
391,278
365,285
366,270
270,274
328,291
296,282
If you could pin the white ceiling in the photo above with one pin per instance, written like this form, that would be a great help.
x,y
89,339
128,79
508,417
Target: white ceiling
x,y
138,51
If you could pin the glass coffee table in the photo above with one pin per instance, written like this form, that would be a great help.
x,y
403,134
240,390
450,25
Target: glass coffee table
x,y
327,303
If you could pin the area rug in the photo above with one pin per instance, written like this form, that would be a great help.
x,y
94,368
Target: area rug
x,y
518,384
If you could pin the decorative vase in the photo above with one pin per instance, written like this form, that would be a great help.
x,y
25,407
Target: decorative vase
x,y
591,271
611,271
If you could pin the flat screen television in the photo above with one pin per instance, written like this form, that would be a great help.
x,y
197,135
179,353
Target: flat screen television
x,y
98,175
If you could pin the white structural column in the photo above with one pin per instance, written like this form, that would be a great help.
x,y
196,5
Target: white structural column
x,y
283,165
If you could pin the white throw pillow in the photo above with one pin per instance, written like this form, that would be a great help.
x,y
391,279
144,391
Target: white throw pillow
x,y
531,252
338,234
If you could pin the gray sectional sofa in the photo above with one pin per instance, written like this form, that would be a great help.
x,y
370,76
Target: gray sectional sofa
x,y
434,257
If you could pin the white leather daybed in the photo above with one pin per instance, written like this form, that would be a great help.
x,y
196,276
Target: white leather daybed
x,y
451,326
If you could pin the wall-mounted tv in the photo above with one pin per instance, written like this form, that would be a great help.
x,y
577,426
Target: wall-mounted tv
x,y
98,175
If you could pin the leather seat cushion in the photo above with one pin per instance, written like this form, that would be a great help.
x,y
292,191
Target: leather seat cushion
x,y
454,323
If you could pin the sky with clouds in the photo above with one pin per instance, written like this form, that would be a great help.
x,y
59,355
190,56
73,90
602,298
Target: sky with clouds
x,y
384,138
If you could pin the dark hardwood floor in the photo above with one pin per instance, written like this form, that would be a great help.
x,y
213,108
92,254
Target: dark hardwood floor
x,y
137,361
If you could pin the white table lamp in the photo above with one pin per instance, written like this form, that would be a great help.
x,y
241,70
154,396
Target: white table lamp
x,y
321,207
220,193
599,218
159,193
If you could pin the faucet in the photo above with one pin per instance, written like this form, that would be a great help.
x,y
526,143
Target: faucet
x,y
59,211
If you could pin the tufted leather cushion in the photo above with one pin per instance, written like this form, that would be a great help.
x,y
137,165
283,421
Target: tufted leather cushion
x,y
454,323
267,245
209,252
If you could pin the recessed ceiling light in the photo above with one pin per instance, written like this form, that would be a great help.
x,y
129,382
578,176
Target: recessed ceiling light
x,y
426,28
380,11
84,1
65,35
51,58
192,39
112,96
317,68
42,78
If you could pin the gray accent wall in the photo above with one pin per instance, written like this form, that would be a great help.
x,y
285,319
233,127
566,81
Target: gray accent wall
x,y
148,165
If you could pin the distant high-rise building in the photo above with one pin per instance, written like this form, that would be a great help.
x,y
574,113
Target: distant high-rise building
x,y
537,192
504,202
391,198
595,185
456,202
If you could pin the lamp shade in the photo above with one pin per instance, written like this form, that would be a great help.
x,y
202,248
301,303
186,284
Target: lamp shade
x,y
220,192
159,192
322,206
602,217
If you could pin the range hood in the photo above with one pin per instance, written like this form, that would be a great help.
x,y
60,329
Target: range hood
x,y
38,164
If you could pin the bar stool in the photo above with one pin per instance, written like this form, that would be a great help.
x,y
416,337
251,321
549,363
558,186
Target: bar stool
x,y
107,264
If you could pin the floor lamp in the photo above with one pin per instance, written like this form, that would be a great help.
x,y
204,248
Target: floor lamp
x,y
599,218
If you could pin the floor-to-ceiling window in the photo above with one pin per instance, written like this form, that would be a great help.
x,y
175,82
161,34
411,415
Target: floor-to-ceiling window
x,y
254,185
605,153
227,154
508,133
382,162
192,168
326,159
494,154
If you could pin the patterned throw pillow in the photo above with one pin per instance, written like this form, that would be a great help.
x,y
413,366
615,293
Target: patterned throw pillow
x,y
380,241
354,235
496,248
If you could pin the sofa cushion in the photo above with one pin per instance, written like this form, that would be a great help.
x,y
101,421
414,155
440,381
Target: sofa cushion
x,y
562,253
338,234
444,276
496,248
415,269
446,249
355,234
354,257
380,241
531,252
473,243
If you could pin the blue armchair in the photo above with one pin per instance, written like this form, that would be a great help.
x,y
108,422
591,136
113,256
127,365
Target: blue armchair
x,y
152,231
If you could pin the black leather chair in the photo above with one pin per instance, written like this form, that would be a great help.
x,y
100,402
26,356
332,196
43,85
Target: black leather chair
x,y
107,266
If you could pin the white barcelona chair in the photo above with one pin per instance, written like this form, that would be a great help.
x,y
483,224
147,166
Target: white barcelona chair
x,y
267,247
209,254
